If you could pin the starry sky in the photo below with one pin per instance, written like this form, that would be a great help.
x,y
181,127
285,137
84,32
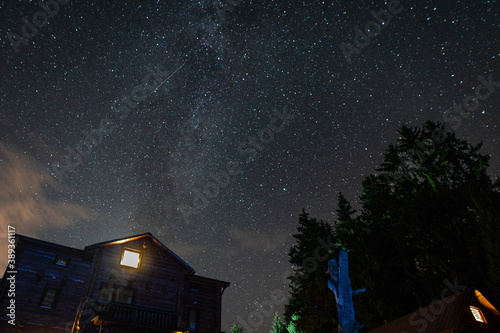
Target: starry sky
x,y
115,116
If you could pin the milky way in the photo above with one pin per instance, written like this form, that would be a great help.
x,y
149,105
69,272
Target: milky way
x,y
169,117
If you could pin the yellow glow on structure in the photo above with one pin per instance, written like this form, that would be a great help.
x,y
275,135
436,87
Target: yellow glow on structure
x,y
121,241
131,258
478,315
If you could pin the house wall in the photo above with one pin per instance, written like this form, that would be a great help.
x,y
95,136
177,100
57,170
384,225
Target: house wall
x,y
155,282
37,270
206,300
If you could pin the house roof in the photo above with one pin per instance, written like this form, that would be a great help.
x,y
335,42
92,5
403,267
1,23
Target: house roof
x,y
66,249
56,247
444,315
221,283
132,238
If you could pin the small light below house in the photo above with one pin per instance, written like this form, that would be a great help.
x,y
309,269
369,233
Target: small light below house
x,y
131,258
478,315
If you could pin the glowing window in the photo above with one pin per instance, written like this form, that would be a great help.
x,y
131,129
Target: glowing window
x,y
131,258
478,315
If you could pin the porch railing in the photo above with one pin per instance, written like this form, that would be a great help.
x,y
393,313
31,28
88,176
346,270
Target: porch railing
x,y
134,315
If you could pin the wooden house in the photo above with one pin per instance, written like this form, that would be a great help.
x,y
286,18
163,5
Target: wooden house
x,y
134,284
467,312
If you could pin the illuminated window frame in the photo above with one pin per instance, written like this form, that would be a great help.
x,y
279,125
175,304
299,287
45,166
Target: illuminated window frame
x,y
124,261
478,314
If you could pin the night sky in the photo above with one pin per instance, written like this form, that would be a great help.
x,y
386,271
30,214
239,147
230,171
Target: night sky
x,y
272,98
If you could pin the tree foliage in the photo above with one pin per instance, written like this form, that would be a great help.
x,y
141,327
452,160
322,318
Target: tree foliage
x,y
278,325
436,219
311,307
236,329
430,214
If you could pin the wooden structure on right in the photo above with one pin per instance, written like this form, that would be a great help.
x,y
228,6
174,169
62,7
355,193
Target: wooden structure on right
x,y
467,312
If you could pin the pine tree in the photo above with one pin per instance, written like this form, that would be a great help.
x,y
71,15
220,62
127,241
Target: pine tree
x,y
278,326
236,329
292,326
311,299
431,215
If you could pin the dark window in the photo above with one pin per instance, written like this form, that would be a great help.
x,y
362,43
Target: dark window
x,y
62,261
49,297
117,294
124,295
39,275
195,286
193,314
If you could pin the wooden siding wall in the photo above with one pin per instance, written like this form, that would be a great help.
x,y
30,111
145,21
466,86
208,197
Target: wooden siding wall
x,y
156,280
207,301
32,260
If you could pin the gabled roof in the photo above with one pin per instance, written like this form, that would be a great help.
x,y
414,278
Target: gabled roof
x,y
447,315
132,238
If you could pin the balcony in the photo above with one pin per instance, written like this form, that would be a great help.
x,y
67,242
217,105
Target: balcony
x,y
117,314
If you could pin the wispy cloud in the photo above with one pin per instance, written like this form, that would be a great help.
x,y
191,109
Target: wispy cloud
x,y
30,198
